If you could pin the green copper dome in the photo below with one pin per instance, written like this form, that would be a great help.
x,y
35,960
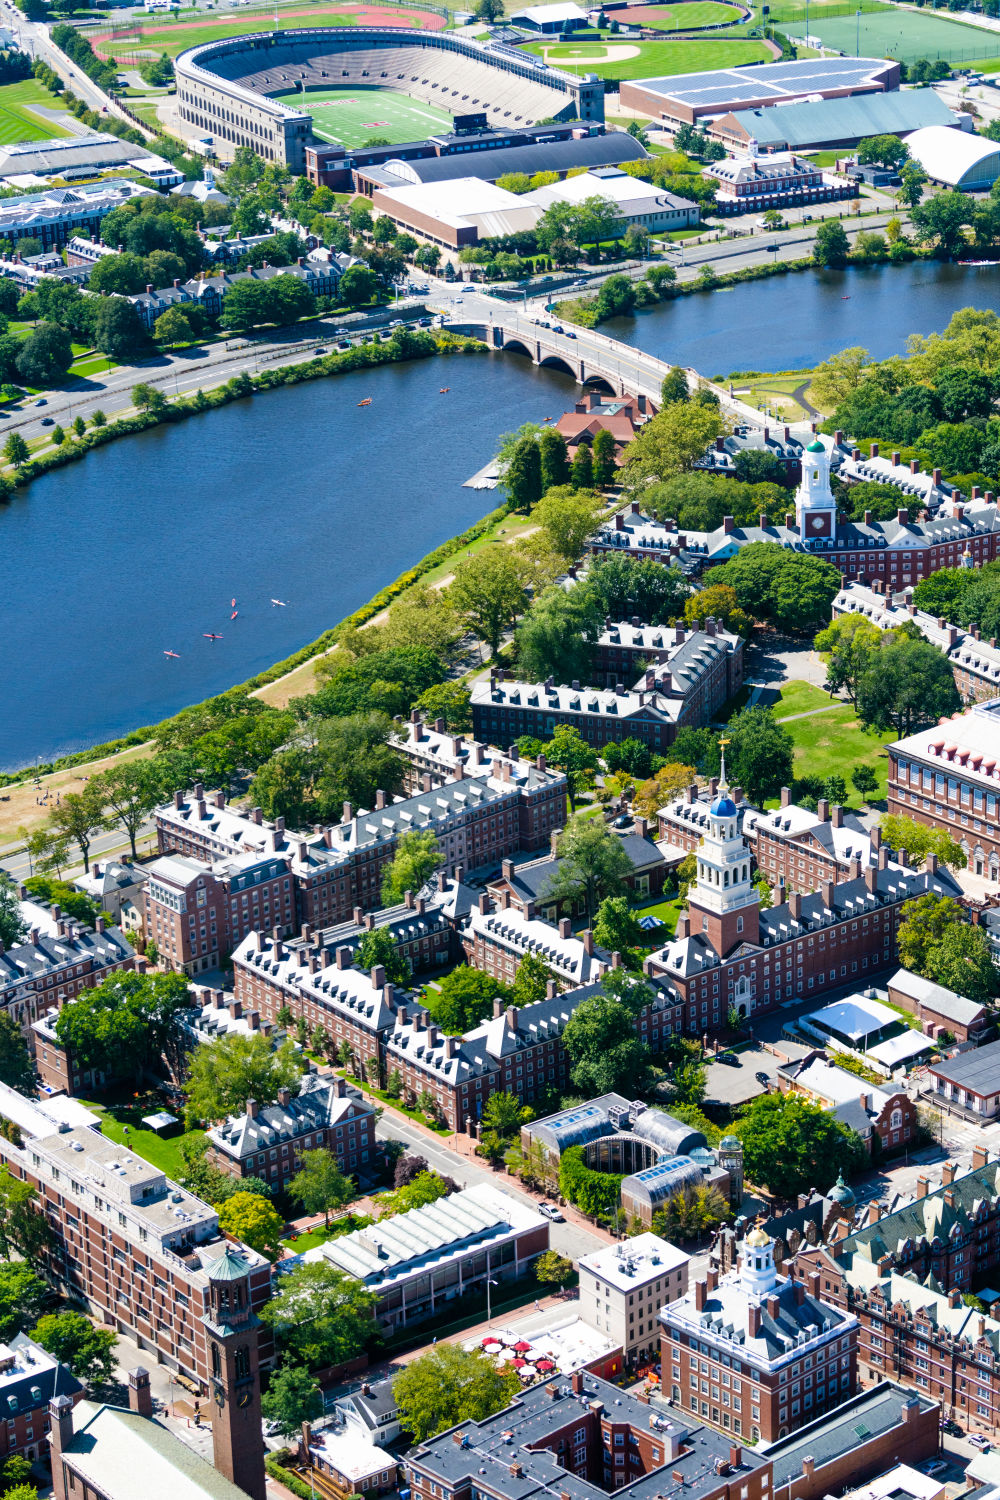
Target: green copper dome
x,y
841,1193
815,446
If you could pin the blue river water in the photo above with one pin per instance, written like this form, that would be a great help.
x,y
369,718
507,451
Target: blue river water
x,y
301,495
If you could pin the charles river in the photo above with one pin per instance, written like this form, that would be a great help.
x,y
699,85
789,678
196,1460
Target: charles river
x,y
301,495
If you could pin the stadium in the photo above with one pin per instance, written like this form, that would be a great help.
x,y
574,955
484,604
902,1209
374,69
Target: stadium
x,y
230,89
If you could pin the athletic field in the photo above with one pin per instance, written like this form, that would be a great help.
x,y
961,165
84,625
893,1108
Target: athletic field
x,y
625,60
159,35
903,34
688,15
351,116
18,120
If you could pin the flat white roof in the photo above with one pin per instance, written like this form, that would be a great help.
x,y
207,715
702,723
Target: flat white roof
x,y
543,14
634,1262
858,1016
902,1480
899,1049
570,1345
461,201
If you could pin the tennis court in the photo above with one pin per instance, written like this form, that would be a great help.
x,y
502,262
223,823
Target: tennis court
x,y
905,35
351,116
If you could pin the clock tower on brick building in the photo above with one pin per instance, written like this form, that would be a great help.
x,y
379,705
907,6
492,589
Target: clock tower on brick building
x,y
232,1331
723,902
815,506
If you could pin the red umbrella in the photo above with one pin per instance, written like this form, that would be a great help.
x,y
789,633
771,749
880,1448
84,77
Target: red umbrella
x,y
522,1348
490,1340
518,1364
546,1364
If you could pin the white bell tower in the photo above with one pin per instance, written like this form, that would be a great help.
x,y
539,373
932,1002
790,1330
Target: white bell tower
x,y
723,901
815,506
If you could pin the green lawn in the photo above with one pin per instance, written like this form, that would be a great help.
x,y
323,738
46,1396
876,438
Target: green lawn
x,y
831,743
668,911
795,10
165,1154
18,118
689,15
648,59
351,116
175,36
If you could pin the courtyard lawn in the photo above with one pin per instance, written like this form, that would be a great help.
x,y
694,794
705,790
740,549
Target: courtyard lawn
x,y
833,742
625,60
351,116
902,34
668,911
164,1154
19,120
689,15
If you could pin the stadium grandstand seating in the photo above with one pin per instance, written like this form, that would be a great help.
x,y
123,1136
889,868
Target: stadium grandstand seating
x,y
219,82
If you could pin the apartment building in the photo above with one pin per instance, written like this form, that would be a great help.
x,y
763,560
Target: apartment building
x,y
975,662
268,1142
755,1353
52,966
700,670
623,1287
497,940
197,912
116,885
708,662
918,1334
432,751
803,848
949,778
477,820
137,1249
727,953
321,988
29,1378
422,928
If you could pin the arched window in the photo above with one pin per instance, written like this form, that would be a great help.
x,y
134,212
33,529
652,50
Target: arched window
x,y
216,1360
242,1362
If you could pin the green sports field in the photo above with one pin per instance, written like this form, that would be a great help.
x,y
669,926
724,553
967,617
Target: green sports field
x,y
18,120
352,116
688,15
905,35
623,60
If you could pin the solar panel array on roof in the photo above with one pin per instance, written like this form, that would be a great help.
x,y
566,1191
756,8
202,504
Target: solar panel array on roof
x,y
783,80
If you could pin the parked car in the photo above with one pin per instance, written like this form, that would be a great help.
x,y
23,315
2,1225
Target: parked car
x,y
48,421
935,1466
763,1080
624,820
729,1058
978,1441
551,1212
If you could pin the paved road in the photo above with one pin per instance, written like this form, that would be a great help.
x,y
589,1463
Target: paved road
x,y
573,1240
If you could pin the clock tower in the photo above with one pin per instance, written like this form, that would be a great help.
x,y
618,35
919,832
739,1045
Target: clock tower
x,y
231,1332
815,506
723,902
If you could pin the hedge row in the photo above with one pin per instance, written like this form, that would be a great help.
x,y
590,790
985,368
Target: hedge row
x,y
594,1193
414,346
287,1478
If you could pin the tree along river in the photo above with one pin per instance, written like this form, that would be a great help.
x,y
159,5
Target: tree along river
x,y
301,495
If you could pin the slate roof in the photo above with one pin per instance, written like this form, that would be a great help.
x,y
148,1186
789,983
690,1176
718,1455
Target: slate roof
x,y
315,1107
726,1315
531,880
28,962
978,1071
866,1416
925,1219
942,1001
111,1447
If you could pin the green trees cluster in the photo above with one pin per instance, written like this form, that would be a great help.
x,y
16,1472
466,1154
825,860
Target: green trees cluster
x,y
125,1024
896,678
605,1052
320,1316
792,1145
936,941
227,1072
281,300
793,590
449,1385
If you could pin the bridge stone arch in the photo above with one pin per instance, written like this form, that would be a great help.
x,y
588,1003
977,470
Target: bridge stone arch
x,y
557,362
516,346
601,382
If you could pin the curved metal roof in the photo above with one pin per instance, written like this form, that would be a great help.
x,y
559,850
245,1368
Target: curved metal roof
x,y
656,1184
656,1126
951,156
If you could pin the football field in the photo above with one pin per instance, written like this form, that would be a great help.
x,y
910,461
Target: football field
x,y
351,116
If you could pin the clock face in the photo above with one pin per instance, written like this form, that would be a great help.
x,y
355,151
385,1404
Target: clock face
x,y
220,1397
244,1398
818,523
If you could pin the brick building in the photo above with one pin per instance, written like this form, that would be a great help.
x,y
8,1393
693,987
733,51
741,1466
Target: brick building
x,y
727,952
939,1009
697,671
898,552
918,1334
477,820
684,821
197,913
497,940
804,848
133,1246
949,778
975,662
706,664
596,412
52,966
29,1378
268,1143
884,1118
755,1353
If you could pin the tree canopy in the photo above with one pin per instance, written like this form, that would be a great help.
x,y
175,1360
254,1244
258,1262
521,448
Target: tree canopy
x,y
450,1384
792,1145
234,1068
593,864
320,1315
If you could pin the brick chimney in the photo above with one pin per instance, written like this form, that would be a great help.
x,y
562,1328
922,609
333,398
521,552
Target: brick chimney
x,y
948,1173
140,1397
61,1432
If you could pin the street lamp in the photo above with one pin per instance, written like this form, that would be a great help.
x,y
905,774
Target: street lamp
x,y
489,1283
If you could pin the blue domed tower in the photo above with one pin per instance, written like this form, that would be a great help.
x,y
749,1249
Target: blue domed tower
x,y
815,506
723,903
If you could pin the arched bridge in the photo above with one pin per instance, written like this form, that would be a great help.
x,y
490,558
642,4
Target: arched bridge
x,y
589,356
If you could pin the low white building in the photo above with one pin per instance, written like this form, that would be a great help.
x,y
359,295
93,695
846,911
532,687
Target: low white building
x,y
638,202
623,1287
